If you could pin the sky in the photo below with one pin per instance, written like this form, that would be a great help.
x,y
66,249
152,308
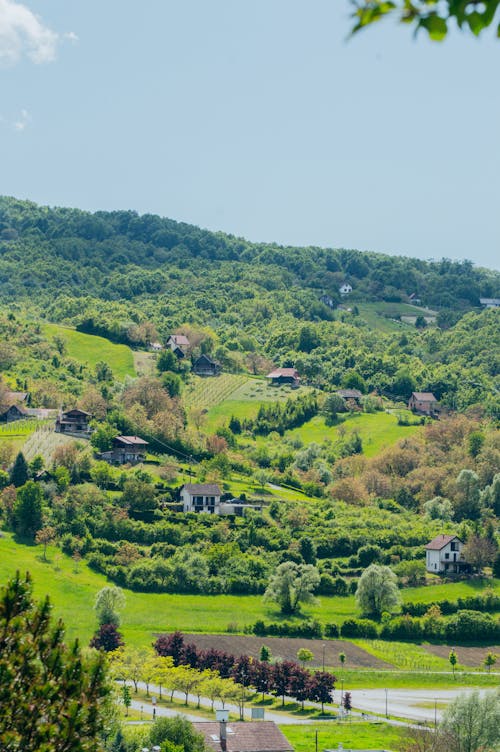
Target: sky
x,y
261,118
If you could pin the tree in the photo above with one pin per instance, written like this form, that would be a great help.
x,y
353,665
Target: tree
x,y
435,18
322,685
107,638
126,697
102,436
291,585
52,697
470,722
479,552
108,601
19,471
265,654
466,503
333,405
304,655
453,660
179,732
490,661
28,510
342,659
45,536
346,702
378,591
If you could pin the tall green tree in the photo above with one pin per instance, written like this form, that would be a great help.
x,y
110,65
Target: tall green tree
x,y
19,472
28,514
52,699
291,585
378,591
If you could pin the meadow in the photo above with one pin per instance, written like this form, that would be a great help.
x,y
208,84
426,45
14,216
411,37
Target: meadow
x,y
384,316
90,349
355,735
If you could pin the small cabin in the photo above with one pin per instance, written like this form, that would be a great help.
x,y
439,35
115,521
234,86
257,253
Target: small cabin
x,y
284,376
14,407
74,422
350,394
178,341
205,366
126,450
155,346
345,289
424,403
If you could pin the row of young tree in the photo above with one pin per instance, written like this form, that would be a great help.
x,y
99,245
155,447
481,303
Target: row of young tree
x,y
282,678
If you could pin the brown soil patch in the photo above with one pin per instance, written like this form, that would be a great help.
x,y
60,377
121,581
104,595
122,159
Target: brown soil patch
x,y
466,656
286,648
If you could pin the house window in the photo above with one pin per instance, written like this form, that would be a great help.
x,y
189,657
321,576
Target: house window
x,y
447,556
454,546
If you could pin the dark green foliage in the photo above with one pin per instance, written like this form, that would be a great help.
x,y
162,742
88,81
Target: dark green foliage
x,y
28,510
19,472
102,436
309,629
359,628
51,697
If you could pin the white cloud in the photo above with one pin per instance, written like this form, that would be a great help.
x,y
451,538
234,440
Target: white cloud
x,y
71,36
22,121
22,33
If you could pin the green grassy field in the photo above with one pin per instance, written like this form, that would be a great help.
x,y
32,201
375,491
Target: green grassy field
x,y
89,349
381,315
356,735
19,431
377,430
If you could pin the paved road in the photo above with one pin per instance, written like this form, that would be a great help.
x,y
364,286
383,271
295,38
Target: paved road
x,y
406,703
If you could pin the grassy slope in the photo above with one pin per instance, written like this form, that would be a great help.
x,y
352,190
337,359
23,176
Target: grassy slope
x,y
89,349
377,430
147,613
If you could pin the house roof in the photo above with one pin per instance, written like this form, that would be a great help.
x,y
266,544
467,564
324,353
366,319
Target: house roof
x,y
180,339
205,358
202,489
349,393
19,408
17,396
423,396
490,301
131,441
77,411
245,736
287,372
440,541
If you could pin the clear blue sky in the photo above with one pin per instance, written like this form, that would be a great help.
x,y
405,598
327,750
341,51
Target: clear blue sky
x,y
255,117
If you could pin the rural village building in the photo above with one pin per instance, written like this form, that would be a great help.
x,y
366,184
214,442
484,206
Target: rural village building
x,y
345,289
444,554
490,302
15,407
284,376
126,449
424,403
178,340
155,346
201,497
243,736
350,394
205,366
74,422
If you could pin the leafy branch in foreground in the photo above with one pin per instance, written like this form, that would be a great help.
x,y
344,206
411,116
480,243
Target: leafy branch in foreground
x,y
431,15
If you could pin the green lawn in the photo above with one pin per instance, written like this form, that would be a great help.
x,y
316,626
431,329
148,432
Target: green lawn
x,y
365,678
89,349
377,430
381,315
355,735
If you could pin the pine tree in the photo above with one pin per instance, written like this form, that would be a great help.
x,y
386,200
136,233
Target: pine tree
x,y
19,471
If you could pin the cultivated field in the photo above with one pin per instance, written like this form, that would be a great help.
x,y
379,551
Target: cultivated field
x,y
90,349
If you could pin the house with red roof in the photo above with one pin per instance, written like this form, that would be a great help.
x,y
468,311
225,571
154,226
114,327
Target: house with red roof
x,y
424,403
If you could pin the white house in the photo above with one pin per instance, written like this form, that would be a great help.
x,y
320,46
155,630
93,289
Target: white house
x,y
444,554
201,497
345,289
490,302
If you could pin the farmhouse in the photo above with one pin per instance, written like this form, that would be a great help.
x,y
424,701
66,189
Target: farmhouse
x,y
444,554
490,302
126,449
424,403
201,497
14,407
243,736
284,376
205,366
74,422
350,394
345,289
178,341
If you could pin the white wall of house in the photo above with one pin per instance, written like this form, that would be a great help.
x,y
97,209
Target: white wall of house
x,y
198,503
446,558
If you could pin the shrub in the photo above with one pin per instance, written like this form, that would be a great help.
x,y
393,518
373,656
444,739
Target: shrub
x,y
359,628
